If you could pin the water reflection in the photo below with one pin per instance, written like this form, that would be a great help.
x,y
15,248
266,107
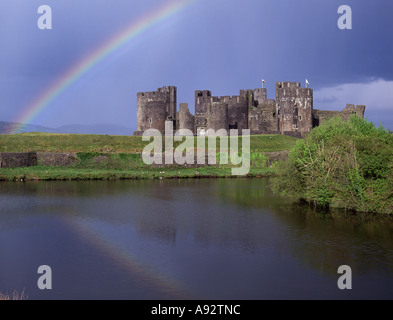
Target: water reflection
x,y
222,239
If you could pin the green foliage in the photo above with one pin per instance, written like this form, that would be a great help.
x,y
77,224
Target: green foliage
x,y
258,160
341,164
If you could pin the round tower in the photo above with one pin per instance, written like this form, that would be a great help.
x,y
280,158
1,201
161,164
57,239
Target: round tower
x,y
217,116
294,108
154,108
185,118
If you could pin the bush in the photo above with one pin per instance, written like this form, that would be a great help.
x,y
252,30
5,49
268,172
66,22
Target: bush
x,y
341,164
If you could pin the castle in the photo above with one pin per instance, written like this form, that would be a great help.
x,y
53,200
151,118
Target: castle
x,y
292,112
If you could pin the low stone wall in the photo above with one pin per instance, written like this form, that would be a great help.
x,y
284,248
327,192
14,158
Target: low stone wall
x,y
273,157
56,159
17,160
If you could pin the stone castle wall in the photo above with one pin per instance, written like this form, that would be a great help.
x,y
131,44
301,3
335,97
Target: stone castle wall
x,y
154,108
237,111
291,113
218,116
319,116
16,160
263,118
294,108
185,119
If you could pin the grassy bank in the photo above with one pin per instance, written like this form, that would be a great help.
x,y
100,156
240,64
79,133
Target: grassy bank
x,y
119,157
73,143
64,173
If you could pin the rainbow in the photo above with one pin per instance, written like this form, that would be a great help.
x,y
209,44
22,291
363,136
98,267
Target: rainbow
x,y
135,29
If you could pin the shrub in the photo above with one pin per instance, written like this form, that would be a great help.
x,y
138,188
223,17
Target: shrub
x,y
341,164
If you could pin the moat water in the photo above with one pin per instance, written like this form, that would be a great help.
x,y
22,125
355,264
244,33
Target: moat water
x,y
184,239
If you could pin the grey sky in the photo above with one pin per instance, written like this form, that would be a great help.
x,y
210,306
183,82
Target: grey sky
x,y
220,45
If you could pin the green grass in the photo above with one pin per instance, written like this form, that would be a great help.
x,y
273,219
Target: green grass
x,y
70,173
123,157
272,143
49,142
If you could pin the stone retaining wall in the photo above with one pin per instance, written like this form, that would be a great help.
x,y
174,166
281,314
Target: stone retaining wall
x,y
16,160
273,157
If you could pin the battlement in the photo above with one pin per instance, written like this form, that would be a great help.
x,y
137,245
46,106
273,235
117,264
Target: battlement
x,y
292,89
260,96
203,93
233,99
287,84
155,107
291,113
352,108
319,116
160,94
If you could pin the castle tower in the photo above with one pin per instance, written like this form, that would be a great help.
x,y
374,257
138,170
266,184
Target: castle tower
x,y
260,96
154,108
294,108
237,111
217,115
262,114
185,119
203,99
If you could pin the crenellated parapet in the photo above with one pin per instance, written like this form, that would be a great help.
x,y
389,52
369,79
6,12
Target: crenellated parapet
x,y
156,107
291,113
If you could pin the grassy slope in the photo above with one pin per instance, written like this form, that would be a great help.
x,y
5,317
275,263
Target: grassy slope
x,y
120,168
49,142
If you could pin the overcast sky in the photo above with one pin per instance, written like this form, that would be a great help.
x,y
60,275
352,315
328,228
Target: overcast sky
x,y
220,45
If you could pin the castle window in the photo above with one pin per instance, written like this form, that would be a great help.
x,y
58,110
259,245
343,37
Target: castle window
x,y
274,114
300,118
150,120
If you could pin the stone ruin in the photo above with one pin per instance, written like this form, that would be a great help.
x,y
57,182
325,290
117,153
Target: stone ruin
x,y
291,113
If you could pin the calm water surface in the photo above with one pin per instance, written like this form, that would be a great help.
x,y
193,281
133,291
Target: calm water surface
x,y
184,239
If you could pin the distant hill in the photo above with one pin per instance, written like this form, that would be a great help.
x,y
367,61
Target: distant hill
x,y
7,127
